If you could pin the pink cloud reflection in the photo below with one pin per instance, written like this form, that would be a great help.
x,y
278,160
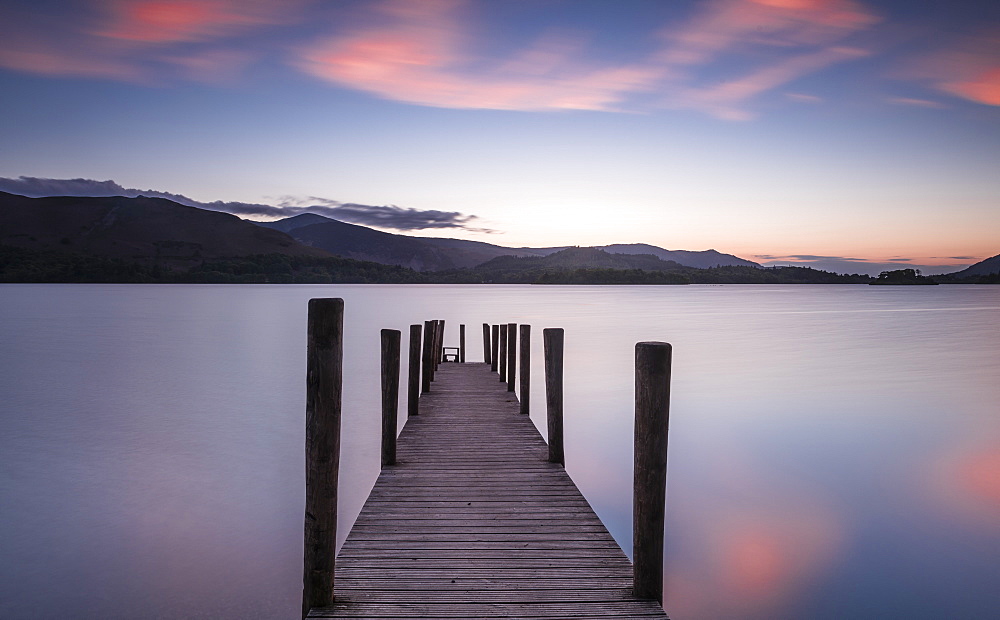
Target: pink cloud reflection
x,y
964,483
763,540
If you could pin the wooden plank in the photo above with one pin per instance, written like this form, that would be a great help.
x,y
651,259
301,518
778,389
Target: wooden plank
x,y
474,521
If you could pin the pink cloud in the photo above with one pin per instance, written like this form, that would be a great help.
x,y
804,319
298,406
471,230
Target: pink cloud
x,y
725,99
797,38
919,103
424,53
968,67
419,57
418,53
170,21
141,41
726,24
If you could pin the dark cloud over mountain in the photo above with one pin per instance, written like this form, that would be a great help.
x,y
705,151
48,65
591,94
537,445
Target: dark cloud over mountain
x,y
806,257
389,216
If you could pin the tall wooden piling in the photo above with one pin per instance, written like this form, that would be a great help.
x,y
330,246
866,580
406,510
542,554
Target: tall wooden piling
x,y
461,343
552,341
324,389
495,349
413,373
427,361
439,350
652,416
503,353
486,343
390,394
525,370
511,354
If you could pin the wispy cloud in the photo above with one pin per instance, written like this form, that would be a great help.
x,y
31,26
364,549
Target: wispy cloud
x,y
807,257
727,100
417,53
804,97
723,58
965,66
387,216
920,103
173,21
144,41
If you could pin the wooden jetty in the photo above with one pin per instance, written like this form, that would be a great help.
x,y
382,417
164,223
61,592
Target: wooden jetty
x,y
472,516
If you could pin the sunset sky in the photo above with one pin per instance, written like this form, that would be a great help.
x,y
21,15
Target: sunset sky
x,y
776,130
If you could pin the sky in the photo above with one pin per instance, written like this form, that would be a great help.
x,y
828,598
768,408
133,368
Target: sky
x,y
849,135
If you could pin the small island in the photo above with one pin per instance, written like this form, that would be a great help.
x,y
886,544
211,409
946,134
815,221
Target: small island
x,y
902,276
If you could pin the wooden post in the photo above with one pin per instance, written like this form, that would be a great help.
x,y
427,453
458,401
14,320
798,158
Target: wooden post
x,y
324,389
511,354
461,343
503,353
440,344
390,394
652,417
495,349
428,366
413,377
525,368
486,343
436,330
552,340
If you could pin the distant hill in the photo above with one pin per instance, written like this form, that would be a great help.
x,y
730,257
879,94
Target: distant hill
x,y
595,266
142,239
702,259
418,253
982,268
289,224
136,229
580,258
441,254
362,243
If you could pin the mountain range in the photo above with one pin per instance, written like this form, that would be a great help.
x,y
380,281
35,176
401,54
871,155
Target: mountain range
x,y
439,254
136,229
71,238
985,267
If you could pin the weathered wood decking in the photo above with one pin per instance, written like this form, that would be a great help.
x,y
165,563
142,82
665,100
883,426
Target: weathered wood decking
x,y
474,522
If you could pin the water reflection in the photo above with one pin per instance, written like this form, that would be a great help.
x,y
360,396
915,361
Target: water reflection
x,y
835,451
963,485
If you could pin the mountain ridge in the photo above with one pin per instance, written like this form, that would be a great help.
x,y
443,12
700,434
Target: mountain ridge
x,y
985,267
138,228
443,253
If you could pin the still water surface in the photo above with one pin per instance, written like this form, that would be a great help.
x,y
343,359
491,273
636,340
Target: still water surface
x,y
834,450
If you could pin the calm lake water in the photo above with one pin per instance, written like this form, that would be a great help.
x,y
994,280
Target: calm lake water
x,y
834,450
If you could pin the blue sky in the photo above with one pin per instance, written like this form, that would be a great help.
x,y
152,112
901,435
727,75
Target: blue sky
x,y
840,130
